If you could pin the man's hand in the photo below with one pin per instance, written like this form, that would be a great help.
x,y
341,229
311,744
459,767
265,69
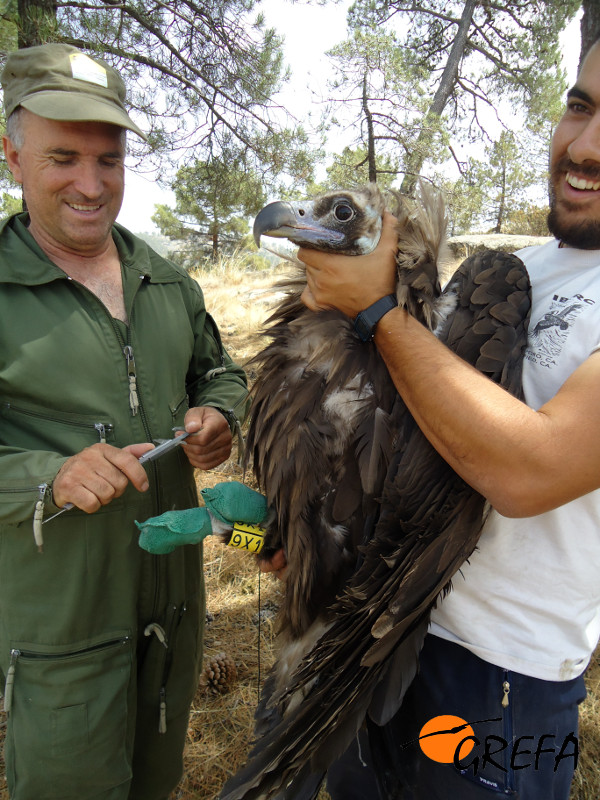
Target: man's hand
x,y
99,474
211,444
351,283
277,564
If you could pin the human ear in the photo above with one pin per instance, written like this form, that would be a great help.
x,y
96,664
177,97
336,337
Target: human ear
x,y
12,158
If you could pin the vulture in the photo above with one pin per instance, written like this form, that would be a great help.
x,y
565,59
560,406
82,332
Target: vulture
x,y
373,522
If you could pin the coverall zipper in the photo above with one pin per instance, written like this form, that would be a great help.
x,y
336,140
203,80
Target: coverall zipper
x,y
16,654
134,401
136,406
102,428
38,515
166,636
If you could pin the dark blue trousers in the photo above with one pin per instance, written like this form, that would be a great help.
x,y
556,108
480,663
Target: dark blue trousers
x,y
525,749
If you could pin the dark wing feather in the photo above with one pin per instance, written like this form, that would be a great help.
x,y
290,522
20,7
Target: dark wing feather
x,y
429,525
320,396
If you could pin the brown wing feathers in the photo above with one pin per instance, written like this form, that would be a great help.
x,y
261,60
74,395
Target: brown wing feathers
x,y
429,519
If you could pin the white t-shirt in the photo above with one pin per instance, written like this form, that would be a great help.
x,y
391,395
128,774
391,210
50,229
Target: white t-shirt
x,y
528,600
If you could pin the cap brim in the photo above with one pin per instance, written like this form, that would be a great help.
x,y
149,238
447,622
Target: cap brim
x,y
78,107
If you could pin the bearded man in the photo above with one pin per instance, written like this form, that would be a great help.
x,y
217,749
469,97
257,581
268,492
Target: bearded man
x,y
508,646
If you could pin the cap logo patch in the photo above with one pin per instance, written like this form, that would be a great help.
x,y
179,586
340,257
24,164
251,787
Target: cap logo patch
x,y
84,69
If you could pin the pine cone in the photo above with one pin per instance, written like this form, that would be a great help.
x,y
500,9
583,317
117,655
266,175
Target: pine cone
x,y
219,674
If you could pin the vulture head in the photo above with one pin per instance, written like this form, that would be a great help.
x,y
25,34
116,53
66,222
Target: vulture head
x,y
337,222
349,222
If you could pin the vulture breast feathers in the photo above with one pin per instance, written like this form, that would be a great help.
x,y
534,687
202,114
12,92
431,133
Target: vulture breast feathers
x,y
373,522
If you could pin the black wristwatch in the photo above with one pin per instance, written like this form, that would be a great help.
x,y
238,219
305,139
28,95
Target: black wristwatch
x,y
366,322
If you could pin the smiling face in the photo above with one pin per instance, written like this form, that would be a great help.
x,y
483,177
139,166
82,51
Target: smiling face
x,y
575,162
73,181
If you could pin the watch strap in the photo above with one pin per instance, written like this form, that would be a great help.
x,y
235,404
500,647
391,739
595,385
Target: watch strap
x,y
366,321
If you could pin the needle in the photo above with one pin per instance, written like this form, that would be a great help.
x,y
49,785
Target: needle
x,y
164,447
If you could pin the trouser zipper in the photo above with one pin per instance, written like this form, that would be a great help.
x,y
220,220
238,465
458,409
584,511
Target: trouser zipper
x,y
507,723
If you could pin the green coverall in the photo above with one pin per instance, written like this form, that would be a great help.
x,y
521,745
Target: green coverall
x,y
98,702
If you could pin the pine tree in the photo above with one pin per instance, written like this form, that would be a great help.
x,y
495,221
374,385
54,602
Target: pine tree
x,y
214,199
197,72
465,56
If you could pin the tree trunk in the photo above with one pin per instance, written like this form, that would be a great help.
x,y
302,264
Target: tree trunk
x,y
214,231
415,160
590,26
36,25
502,206
37,22
370,135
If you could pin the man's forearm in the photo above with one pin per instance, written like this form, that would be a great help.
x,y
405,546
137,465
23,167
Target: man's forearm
x,y
489,437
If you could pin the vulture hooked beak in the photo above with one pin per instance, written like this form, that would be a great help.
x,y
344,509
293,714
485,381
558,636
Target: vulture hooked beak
x,y
296,222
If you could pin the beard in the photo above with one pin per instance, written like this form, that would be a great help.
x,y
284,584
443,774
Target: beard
x,y
583,234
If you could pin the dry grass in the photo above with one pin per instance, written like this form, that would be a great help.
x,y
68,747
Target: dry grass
x,y
239,300
240,622
241,604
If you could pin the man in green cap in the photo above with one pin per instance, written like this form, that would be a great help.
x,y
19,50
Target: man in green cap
x,y
104,347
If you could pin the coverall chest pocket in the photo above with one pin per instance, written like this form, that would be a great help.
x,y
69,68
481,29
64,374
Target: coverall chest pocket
x,y
31,427
66,735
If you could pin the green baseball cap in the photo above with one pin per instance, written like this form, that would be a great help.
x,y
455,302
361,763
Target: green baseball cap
x,y
58,81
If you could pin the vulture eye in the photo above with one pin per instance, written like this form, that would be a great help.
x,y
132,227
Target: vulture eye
x,y
343,212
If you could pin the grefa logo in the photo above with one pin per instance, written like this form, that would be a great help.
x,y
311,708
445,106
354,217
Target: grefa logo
x,y
448,739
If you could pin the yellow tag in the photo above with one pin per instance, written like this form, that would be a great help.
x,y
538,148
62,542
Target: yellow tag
x,y
247,537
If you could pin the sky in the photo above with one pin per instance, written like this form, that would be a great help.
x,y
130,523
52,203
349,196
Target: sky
x,y
309,31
